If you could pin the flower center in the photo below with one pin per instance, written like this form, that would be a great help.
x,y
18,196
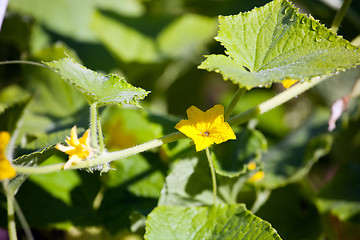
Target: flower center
x,y
205,134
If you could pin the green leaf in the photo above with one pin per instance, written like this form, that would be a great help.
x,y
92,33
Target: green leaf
x,y
231,158
180,189
124,42
99,88
189,184
291,159
215,222
75,23
341,196
275,42
186,36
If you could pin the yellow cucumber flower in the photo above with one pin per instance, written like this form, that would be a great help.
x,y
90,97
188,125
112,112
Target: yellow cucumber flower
x,y
206,128
77,149
288,83
257,176
6,170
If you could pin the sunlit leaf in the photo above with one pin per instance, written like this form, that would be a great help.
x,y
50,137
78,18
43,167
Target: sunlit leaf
x,y
99,88
215,222
275,42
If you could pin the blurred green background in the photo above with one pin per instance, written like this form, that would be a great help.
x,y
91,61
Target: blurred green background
x,y
313,175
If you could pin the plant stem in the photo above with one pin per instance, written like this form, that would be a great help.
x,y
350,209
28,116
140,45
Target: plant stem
x,y
233,102
93,125
101,137
340,15
213,176
23,221
104,157
10,211
24,62
275,101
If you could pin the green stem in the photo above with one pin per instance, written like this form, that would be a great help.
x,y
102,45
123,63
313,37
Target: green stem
x,y
101,137
23,221
10,211
93,125
103,158
213,176
275,101
340,15
24,62
234,121
232,104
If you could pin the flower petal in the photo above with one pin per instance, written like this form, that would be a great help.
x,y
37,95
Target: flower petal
x,y
202,142
85,139
195,115
6,170
73,160
4,140
215,116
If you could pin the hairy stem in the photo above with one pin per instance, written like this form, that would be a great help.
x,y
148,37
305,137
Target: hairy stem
x,y
275,101
93,125
213,176
101,137
103,158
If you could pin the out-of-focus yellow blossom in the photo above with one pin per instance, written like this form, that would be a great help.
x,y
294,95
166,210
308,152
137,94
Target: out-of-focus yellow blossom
x,y
257,176
6,170
206,128
288,83
251,166
77,149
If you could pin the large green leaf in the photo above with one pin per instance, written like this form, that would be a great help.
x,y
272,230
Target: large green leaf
x,y
99,88
215,222
275,42
71,18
